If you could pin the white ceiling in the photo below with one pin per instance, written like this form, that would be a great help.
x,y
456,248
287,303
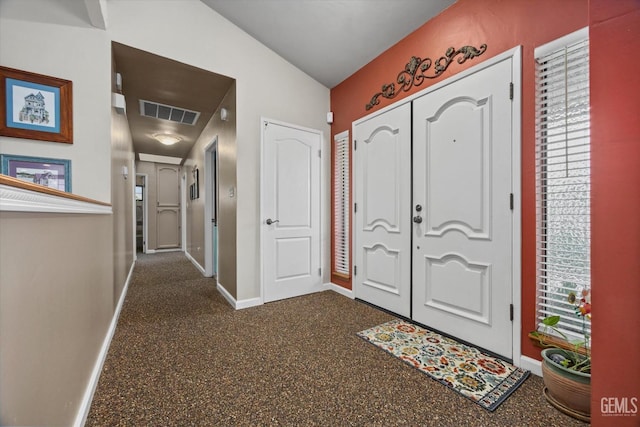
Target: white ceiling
x,y
329,39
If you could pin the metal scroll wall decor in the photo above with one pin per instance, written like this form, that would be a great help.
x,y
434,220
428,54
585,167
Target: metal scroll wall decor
x,y
415,71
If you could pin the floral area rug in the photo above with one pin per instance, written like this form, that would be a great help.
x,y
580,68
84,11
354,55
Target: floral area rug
x,y
484,379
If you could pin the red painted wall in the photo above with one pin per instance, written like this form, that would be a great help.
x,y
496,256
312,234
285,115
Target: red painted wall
x,y
502,25
615,223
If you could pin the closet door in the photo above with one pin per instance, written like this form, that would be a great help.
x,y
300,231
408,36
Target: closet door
x,y
382,218
462,257
168,207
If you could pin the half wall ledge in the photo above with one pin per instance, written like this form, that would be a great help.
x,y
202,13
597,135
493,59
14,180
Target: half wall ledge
x,y
21,196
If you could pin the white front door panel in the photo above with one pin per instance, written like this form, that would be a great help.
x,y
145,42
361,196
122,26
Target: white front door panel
x,y
382,224
462,261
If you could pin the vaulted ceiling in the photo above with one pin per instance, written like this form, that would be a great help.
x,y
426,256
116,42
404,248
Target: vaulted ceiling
x,y
329,39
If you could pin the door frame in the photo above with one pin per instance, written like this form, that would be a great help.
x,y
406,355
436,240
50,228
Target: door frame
x,y
209,203
145,215
183,210
515,54
263,123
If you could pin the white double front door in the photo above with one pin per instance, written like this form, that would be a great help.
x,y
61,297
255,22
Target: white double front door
x,y
433,221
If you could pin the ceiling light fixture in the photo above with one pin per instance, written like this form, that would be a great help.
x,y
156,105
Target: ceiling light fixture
x,y
167,138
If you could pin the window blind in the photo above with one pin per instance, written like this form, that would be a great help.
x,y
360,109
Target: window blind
x,y
341,204
563,178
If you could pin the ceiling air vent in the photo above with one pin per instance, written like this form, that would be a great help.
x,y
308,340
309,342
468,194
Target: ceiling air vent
x,y
167,112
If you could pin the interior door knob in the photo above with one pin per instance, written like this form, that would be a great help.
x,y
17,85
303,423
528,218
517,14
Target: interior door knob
x,y
270,221
417,219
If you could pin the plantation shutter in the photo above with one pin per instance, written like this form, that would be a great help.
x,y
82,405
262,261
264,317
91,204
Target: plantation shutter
x,y
563,178
341,204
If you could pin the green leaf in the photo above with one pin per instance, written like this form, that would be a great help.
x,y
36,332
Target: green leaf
x,y
551,320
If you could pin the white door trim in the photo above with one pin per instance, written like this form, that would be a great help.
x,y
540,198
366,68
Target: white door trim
x,y
263,123
516,173
133,182
145,212
208,206
183,211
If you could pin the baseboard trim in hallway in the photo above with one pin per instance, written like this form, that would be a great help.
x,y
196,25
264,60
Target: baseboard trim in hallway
x,y
238,305
195,263
85,405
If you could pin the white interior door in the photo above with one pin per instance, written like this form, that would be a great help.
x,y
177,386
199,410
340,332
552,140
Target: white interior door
x,y
382,218
168,207
291,211
462,256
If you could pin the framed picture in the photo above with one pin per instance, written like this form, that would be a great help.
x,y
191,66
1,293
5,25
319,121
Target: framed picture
x,y
196,184
52,173
34,106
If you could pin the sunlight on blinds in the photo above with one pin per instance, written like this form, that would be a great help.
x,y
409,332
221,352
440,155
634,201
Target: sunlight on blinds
x,y
341,204
563,180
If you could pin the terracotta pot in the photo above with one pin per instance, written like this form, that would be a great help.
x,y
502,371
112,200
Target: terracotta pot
x,y
567,390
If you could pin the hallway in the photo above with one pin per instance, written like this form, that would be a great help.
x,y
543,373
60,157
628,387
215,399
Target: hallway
x,y
182,356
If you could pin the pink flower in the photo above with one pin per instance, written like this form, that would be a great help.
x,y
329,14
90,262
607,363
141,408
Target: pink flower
x,y
584,306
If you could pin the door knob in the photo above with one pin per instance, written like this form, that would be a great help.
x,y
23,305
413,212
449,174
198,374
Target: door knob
x,y
417,219
270,221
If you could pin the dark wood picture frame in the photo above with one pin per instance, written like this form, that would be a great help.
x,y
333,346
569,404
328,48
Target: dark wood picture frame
x,y
36,125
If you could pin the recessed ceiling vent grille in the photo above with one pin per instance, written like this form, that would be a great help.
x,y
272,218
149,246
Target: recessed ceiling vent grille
x,y
167,112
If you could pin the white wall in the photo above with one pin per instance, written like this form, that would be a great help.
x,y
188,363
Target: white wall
x,y
71,52
190,32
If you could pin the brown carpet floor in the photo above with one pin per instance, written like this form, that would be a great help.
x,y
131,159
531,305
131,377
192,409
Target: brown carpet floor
x,y
181,356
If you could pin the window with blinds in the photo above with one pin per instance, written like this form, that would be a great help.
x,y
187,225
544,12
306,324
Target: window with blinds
x,y
341,204
563,177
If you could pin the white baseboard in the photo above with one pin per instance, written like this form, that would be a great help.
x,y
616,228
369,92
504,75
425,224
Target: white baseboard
x,y
339,289
194,262
85,404
533,365
246,303
159,251
230,299
238,305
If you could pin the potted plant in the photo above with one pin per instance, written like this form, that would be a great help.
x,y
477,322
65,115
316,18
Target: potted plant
x,y
566,370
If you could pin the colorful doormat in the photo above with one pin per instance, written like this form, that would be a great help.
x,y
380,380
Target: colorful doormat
x,y
486,380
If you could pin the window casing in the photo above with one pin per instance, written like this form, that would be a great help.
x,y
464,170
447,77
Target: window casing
x,y
341,205
563,235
